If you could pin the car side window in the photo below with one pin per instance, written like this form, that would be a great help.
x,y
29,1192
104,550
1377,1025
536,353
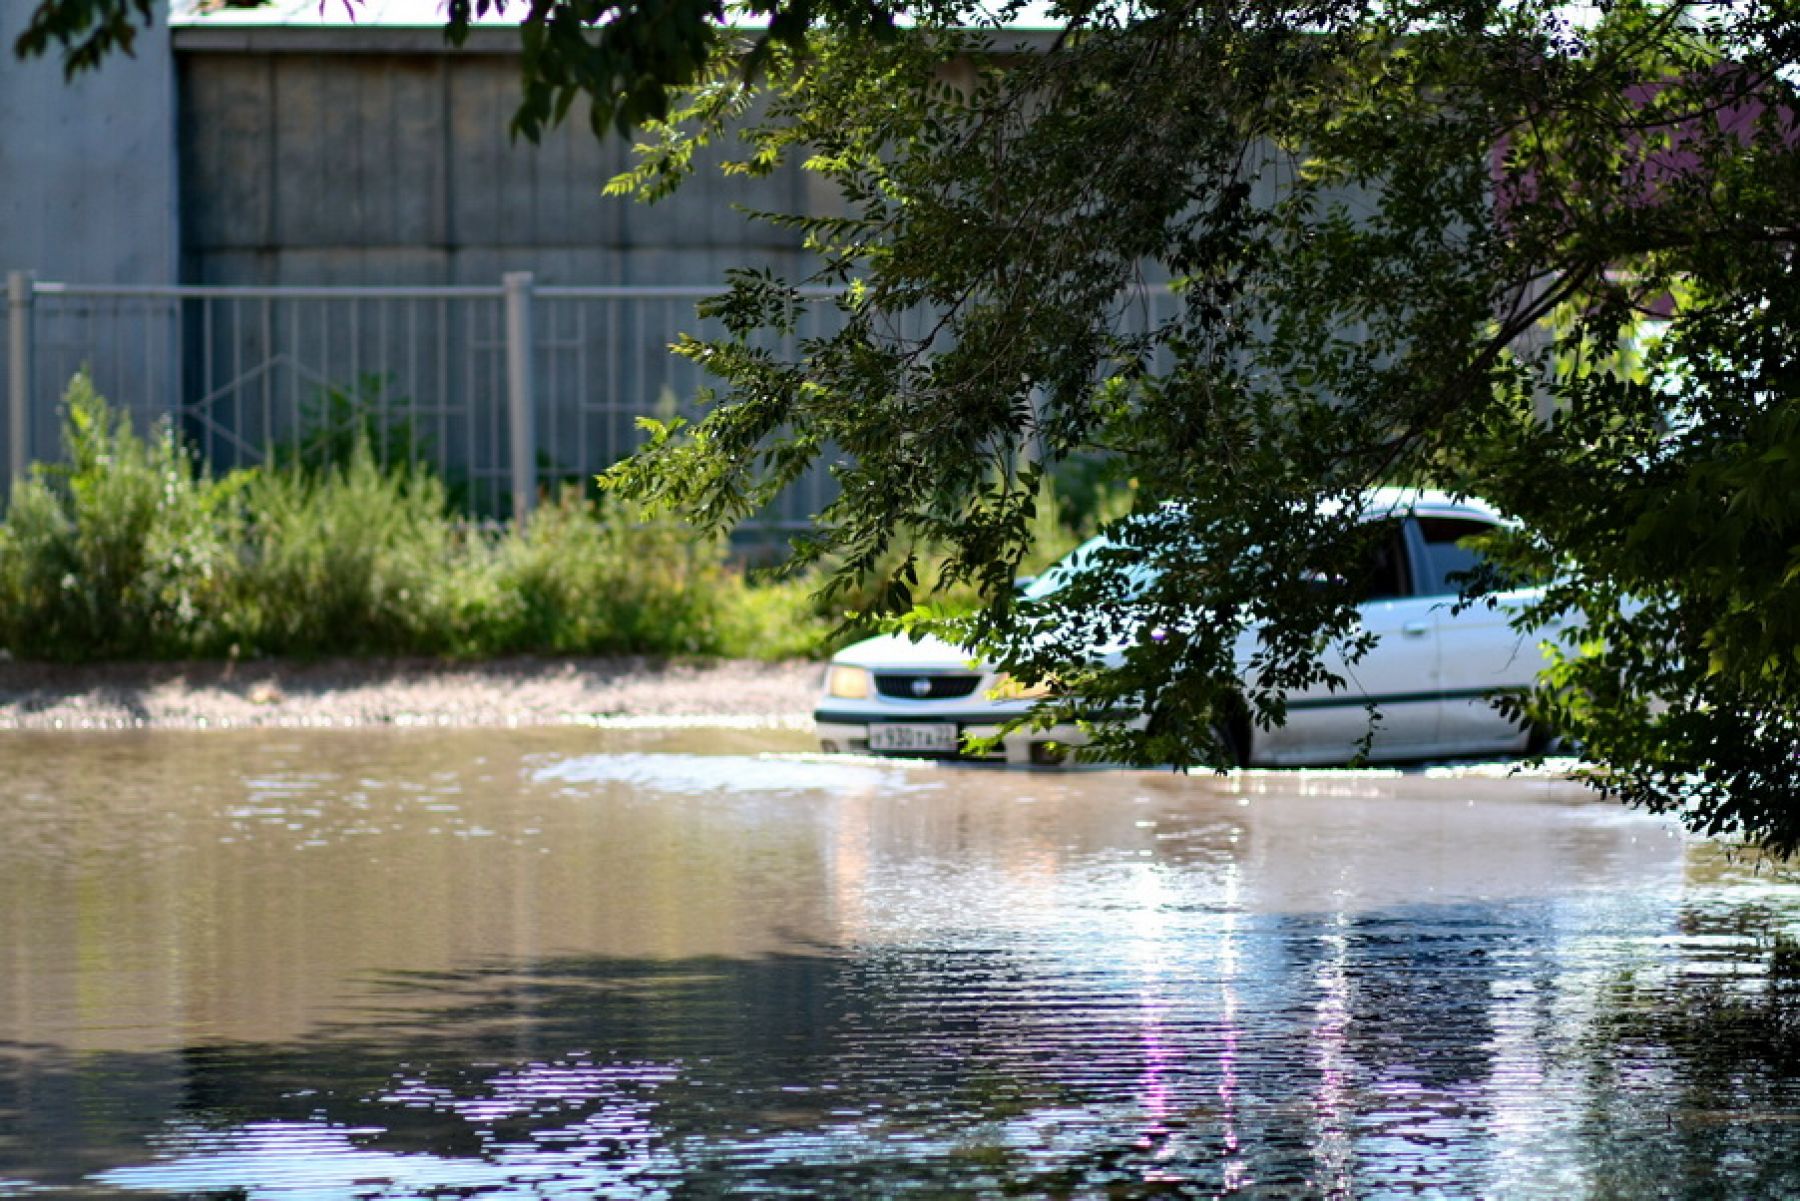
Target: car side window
x,y
1383,574
1447,561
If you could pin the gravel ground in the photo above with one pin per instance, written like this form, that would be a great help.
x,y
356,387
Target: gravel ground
x,y
507,692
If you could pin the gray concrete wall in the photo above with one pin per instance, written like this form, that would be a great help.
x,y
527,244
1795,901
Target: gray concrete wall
x,y
379,157
87,169
305,166
87,185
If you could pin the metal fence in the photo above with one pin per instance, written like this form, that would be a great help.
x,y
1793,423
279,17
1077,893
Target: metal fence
x,y
508,391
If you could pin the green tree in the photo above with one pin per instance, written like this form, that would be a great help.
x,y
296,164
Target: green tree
x,y
624,57
1477,246
1540,254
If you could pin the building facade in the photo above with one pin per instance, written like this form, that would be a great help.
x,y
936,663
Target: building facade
x,y
241,155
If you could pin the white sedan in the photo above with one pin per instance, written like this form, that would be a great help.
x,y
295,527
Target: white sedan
x,y
1431,673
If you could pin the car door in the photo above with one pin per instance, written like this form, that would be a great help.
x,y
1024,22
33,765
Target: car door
x,y
1481,654
1398,678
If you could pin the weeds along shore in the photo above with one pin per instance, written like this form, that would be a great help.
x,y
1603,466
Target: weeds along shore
x,y
129,550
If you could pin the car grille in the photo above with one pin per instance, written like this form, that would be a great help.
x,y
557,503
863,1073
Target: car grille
x,y
929,687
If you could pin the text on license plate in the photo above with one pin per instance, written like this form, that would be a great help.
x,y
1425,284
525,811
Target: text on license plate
x,y
913,736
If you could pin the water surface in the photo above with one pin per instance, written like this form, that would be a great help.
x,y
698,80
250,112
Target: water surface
x,y
631,963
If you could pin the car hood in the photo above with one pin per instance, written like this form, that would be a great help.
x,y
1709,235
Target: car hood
x,y
897,652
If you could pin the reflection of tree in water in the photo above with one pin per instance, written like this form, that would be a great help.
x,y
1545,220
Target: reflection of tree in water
x,y
63,1116
1697,1065
1420,992
840,1074
1405,1041
1311,1054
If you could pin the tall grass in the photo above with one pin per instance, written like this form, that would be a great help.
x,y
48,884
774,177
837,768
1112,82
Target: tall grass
x,y
593,578
128,551
121,550
345,559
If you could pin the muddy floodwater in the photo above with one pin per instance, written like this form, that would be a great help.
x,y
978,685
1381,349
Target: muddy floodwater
x,y
615,963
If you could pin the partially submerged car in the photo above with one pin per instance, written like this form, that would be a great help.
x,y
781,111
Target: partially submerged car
x,y
1432,672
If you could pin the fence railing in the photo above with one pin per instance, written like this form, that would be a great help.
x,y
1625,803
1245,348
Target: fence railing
x,y
507,390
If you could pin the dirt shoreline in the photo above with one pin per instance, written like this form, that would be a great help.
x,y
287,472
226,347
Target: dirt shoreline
x,y
403,692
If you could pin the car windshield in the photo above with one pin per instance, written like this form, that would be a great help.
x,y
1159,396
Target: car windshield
x,y
1383,576
1081,559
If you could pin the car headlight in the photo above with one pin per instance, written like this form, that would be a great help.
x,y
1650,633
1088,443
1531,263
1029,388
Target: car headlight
x,y
1008,689
846,682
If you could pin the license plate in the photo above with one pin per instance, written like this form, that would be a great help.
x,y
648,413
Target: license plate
x,y
936,737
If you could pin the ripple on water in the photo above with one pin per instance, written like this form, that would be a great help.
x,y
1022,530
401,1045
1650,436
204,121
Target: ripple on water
x,y
969,998
704,775
1278,1058
299,1161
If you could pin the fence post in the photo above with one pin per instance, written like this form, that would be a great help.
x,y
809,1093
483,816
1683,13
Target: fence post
x,y
520,422
18,375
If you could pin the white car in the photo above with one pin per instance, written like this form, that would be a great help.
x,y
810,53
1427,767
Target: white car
x,y
1431,673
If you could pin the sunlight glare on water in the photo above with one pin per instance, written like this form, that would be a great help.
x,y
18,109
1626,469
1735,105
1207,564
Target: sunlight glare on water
x,y
689,775
638,963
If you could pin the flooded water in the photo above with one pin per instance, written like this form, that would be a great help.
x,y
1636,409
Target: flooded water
x,y
641,964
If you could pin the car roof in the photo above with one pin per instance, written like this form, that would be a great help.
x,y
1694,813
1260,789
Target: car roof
x,y
1426,502
1377,503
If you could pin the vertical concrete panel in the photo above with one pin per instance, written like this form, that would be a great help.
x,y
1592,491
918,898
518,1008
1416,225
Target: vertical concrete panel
x,y
478,166
398,147
320,190
87,169
414,144
88,193
227,156
370,168
569,209
557,174
377,176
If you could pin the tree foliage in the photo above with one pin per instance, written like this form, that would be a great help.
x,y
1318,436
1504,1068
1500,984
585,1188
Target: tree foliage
x,y
1267,256
1263,255
623,57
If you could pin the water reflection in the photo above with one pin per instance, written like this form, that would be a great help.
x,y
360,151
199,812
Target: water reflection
x,y
430,965
703,775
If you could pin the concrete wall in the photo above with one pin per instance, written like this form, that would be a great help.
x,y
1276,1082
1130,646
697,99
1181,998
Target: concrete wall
x,y
348,156
380,157
87,169
301,164
87,186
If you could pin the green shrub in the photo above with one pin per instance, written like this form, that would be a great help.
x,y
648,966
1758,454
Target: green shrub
x,y
776,620
1058,526
122,550
352,558
126,550
603,578
339,418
